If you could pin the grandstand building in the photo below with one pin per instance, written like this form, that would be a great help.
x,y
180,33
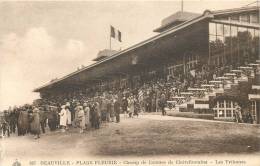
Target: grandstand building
x,y
185,41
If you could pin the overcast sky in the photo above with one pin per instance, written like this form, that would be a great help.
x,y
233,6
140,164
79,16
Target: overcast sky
x,y
40,41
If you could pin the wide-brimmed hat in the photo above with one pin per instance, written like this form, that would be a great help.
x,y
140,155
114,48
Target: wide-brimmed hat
x,y
35,109
68,104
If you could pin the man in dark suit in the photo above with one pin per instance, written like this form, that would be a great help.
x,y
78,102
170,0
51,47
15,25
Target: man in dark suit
x,y
117,109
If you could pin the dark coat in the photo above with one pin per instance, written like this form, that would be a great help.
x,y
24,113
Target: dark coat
x,y
23,122
35,123
43,116
117,107
124,104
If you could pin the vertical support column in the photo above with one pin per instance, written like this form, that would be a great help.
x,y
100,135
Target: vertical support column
x,y
258,112
257,82
225,109
232,109
217,109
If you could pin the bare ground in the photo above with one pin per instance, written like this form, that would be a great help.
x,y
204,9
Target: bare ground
x,y
147,135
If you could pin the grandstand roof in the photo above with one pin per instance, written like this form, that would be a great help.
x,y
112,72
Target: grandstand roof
x,y
207,14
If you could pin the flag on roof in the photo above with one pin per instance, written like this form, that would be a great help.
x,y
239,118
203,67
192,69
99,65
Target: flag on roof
x,y
115,33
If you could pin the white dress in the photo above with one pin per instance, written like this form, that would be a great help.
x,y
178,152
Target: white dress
x,y
68,116
87,116
63,117
81,116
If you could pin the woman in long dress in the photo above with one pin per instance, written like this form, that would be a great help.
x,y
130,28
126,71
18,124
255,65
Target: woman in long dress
x,y
63,118
35,123
112,111
87,115
68,116
23,122
81,118
131,106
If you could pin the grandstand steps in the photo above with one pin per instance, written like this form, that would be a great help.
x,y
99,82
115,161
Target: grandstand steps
x,y
211,95
180,108
219,91
236,86
227,87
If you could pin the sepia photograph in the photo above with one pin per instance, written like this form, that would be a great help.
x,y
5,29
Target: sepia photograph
x,y
129,83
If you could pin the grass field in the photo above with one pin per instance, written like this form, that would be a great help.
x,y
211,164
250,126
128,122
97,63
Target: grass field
x,y
147,135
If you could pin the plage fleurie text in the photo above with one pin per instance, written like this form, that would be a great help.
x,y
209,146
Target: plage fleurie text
x,y
140,162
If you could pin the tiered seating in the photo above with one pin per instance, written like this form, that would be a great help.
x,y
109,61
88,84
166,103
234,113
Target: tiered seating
x,y
202,94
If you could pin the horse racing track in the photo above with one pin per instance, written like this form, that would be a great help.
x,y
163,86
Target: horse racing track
x,y
148,135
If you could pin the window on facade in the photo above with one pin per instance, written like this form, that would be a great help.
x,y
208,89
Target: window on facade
x,y
228,104
212,28
216,113
254,18
228,113
219,46
212,38
224,109
227,43
233,44
152,72
220,30
256,33
221,40
226,30
256,43
245,18
251,33
221,104
234,18
241,30
123,82
251,48
220,60
221,113
253,109
233,31
215,61
170,70
244,38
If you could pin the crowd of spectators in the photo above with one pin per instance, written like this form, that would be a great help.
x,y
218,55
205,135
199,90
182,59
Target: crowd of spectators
x,y
89,108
